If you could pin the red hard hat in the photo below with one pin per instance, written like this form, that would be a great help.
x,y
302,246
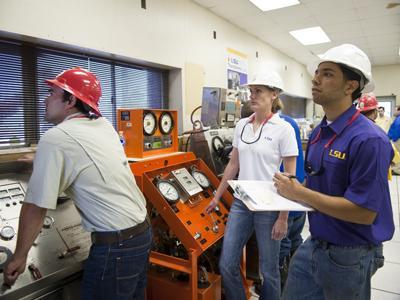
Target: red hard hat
x,y
80,83
367,102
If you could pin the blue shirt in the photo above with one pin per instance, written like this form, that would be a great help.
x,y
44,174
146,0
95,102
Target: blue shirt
x,y
300,174
394,130
355,166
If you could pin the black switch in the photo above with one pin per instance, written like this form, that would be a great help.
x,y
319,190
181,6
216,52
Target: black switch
x,y
203,241
206,194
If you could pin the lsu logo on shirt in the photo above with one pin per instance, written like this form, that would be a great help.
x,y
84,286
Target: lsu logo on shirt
x,y
337,154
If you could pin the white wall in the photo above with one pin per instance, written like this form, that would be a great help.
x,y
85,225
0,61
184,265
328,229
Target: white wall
x,y
173,33
387,80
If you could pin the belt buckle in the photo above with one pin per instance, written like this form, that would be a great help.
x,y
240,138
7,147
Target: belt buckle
x,y
93,238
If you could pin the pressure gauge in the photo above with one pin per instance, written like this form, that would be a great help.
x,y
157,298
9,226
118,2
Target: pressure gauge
x,y
48,222
7,233
166,123
168,190
217,143
5,256
149,123
201,179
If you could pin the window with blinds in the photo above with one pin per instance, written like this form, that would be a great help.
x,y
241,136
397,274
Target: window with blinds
x,y
23,69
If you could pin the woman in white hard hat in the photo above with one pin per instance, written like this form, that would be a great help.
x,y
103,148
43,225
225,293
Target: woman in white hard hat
x,y
261,142
346,163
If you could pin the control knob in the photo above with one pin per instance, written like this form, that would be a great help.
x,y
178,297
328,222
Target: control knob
x,y
7,233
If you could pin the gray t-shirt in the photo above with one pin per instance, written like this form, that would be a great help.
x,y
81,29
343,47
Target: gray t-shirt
x,y
85,159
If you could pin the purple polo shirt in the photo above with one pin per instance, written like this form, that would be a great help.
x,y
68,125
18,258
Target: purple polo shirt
x,y
355,166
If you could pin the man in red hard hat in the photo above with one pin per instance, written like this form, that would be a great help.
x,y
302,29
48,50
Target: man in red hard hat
x,y
83,157
368,106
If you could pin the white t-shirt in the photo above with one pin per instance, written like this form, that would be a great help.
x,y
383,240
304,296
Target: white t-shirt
x,y
262,159
85,159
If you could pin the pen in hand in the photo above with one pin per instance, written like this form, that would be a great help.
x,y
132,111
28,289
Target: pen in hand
x,y
289,176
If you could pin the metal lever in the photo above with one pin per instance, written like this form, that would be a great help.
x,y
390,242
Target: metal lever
x,y
215,228
34,271
69,252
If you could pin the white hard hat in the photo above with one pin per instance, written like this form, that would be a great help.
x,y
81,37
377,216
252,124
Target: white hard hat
x,y
351,56
269,78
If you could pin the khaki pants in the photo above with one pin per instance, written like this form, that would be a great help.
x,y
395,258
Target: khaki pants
x,y
396,167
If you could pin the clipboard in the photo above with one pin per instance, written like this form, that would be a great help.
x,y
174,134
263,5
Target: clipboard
x,y
260,195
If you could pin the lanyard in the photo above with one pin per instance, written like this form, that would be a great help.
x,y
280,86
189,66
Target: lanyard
x,y
307,164
333,138
251,119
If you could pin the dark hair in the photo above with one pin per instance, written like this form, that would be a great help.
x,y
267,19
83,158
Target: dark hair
x,y
351,74
381,107
79,105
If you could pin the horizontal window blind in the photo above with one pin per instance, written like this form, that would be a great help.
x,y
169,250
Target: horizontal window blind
x,y
24,68
12,129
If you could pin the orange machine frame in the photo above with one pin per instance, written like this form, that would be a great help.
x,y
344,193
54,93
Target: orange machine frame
x,y
185,224
131,128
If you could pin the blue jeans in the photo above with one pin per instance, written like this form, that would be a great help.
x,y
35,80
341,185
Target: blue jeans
x,y
293,239
322,271
240,226
117,271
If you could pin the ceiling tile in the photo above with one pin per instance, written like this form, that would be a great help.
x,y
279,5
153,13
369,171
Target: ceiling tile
x,y
365,23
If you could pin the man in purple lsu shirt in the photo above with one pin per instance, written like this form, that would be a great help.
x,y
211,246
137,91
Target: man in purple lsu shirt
x,y
346,164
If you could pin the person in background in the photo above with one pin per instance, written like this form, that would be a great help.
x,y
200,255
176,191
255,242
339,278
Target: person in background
x,y
346,163
383,121
296,219
368,106
394,136
261,142
83,157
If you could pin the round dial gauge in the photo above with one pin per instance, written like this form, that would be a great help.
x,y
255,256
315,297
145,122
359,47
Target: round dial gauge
x,y
166,123
217,143
7,233
149,123
5,256
48,222
201,179
168,190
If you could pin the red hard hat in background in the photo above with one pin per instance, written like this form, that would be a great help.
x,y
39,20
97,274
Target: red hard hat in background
x,y
80,83
367,102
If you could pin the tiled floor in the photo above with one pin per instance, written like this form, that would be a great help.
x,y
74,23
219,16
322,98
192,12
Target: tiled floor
x,y
386,282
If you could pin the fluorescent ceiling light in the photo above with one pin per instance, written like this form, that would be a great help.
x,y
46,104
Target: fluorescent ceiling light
x,y
310,36
266,5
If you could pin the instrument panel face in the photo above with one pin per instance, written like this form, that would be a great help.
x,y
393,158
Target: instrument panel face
x,y
188,183
201,179
169,190
58,251
166,122
194,186
149,123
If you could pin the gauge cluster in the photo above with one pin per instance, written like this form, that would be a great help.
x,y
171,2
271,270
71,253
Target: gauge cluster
x,y
148,132
182,192
182,184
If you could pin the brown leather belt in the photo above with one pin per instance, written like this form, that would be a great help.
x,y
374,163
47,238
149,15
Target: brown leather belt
x,y
111,237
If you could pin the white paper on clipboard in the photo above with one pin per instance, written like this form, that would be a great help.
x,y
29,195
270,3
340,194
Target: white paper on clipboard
x,y
262,196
